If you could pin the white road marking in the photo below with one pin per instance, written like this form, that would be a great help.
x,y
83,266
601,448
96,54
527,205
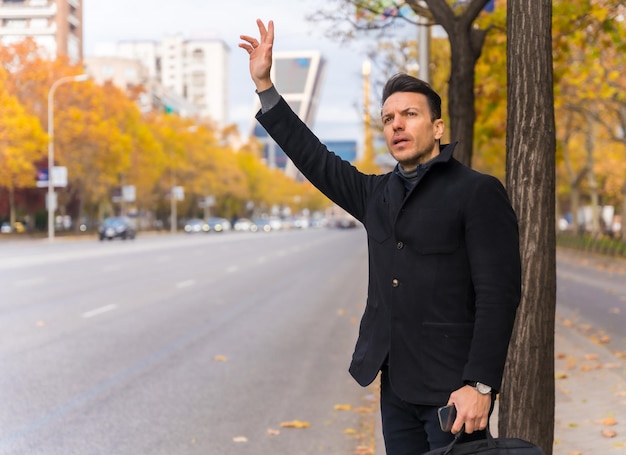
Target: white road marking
x,y
99,311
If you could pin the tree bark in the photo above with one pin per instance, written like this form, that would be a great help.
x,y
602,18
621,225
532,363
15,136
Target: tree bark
x,y
527,396
466,44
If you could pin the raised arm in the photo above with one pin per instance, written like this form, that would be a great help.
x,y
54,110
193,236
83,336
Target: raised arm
x,y
260,52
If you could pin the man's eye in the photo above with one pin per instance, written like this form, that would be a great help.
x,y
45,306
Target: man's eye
x,y
386,120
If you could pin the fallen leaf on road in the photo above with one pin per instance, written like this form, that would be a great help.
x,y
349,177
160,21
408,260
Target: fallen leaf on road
x,y
220,358
343,407
295,424
341,312
609,422
362,450
272,432
600,339
621,394
349,431
572,425
363,409
240,439
560,376
568,323
561,355
574,453
609,433
591,357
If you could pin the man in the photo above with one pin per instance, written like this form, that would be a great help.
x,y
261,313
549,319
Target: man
x,y
444,263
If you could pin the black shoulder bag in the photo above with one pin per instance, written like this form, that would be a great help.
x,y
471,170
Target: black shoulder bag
x,y
489,446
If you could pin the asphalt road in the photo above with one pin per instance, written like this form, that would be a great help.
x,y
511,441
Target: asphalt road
x,y
181,344
205,344
591,294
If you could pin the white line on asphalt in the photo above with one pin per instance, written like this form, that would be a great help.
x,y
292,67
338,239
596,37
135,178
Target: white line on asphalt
x,y
185,284
99,311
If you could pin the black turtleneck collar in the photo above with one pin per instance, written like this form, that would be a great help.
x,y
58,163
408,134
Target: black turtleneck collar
x,y
410,178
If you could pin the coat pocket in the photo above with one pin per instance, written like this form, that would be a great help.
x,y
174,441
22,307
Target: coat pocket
x,y
445,350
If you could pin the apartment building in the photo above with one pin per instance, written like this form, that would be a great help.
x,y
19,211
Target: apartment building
x,y
55,25
195,70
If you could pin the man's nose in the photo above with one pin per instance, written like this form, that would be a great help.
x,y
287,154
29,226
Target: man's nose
x,y
398,123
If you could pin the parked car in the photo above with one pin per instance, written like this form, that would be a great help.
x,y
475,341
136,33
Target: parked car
x,y
18,227
217,224
194,225
262,224
243,224
117,227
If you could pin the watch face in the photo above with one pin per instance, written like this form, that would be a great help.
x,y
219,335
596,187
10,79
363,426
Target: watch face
x,y
483,388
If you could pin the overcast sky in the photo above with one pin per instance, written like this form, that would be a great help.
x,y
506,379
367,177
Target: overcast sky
x,y
108,21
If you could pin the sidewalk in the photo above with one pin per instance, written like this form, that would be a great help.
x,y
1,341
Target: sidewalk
x,y
590,396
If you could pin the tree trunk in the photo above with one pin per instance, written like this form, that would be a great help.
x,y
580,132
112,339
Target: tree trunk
x,y
12,216
466,44
590,140
575,203
461,97
623,217
527,396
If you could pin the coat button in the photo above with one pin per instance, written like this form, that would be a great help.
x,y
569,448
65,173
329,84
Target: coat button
x,y
400,245
395,283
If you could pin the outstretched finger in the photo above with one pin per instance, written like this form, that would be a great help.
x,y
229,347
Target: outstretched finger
x,y
266,33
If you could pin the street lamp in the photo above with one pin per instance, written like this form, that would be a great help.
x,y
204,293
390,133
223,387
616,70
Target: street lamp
x,y
50,199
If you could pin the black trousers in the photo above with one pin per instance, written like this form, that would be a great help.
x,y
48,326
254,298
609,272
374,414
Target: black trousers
x,y
412,429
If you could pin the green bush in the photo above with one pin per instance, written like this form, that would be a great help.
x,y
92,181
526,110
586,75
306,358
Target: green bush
x,y
600,244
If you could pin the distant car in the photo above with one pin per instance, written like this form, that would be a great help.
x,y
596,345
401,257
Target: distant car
x,y
262,224
194,225
117,227
217,224
18,227
243,224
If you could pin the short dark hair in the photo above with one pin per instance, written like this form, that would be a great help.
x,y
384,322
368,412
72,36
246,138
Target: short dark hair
x,y
403,82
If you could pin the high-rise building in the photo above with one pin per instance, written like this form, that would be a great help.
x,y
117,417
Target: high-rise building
x,y
298,78
195,70
55,25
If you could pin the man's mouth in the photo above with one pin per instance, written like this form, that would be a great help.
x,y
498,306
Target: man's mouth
x,y
399,140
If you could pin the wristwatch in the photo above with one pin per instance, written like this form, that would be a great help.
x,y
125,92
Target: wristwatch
x,y
483,389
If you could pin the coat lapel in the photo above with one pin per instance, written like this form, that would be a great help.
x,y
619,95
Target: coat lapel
x,y
394,193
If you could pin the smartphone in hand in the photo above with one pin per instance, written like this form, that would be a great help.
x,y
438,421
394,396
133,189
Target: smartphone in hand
x,y
447,415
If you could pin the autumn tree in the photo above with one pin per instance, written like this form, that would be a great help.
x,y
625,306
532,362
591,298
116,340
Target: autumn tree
x,y
466,42
22,144
589,47
527,406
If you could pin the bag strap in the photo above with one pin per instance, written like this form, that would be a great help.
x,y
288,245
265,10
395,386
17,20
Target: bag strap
x,y
491,442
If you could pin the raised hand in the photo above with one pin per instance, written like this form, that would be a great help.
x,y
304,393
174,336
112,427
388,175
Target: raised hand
x,y
260,52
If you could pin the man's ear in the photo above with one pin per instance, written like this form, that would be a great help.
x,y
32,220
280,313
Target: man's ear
x,y
439,127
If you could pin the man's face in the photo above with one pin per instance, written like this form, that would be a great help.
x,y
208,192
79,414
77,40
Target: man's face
x,y
411,136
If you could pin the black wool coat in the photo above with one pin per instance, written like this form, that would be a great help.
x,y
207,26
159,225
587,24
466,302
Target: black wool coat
x,y
444,266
